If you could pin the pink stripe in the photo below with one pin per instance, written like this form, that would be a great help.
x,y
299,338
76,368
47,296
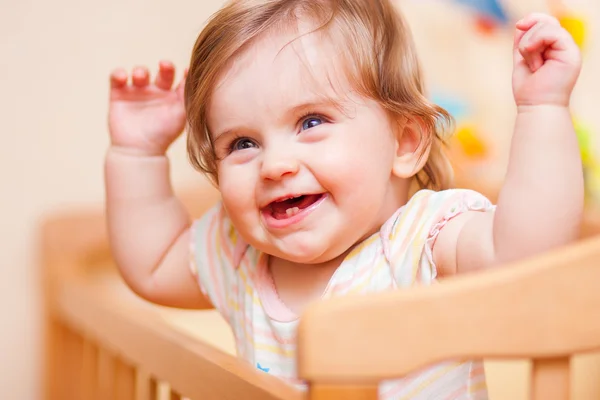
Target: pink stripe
x,y
358,278
444,215
224,233
273,307
270,337
400,385
385,233
458,392
212,265
405,243
475,372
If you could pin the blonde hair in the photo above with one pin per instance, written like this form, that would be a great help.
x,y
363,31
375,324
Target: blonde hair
x,y
382,65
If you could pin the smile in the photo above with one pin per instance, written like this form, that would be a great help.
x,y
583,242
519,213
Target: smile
x,y
285,212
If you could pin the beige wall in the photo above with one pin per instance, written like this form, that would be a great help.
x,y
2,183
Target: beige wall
x,y
55,59
56,56
478,68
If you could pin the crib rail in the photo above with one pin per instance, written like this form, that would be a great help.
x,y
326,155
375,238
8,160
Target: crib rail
x,y
134,350
99,347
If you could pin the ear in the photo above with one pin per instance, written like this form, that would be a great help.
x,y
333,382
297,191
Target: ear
x,y
412,148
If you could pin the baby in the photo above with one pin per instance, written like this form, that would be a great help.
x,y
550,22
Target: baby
x,y
310,118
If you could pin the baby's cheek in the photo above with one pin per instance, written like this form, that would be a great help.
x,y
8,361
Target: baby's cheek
x,y
237,193
242,212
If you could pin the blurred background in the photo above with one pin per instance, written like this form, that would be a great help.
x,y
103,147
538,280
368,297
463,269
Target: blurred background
x,y
56,58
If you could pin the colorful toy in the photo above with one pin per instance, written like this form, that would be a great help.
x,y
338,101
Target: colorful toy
x,y
584,137
489,14
572,21
467,136
591,164
489,9
575,25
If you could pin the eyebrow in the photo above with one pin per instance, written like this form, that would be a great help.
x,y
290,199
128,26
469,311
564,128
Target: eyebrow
x,y
296,111
327,102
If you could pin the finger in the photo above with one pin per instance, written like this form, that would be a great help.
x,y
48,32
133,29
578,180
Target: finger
x,y
140,77
530,50
530,20
118,79
165,76
547,38
181,85
527,23
544,44
519,33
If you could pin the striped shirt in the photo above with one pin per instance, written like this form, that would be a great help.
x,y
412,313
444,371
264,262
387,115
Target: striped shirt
x,y
236,279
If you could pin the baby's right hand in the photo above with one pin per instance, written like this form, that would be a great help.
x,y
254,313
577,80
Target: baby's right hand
x,y
145,117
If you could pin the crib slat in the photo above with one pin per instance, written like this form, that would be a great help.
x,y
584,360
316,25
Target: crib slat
x,y
65,364
146,386
73,365
152,389
106,375
550,379
54,360
346,392
89,370
124,381
175,395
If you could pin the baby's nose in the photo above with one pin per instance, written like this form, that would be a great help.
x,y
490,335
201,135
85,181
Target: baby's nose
x,y
277,164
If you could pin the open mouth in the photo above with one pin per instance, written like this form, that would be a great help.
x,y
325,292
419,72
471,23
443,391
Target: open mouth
x,y
287,208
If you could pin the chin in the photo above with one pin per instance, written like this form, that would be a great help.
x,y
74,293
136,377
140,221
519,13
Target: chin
x,y
301,254
303,258
310,255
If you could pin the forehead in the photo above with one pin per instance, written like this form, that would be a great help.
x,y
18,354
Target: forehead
x,y
279,69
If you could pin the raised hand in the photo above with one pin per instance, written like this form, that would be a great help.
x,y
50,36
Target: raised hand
x,y
547,62
145,117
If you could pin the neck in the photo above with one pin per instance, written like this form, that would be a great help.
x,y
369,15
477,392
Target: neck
x,y
299,284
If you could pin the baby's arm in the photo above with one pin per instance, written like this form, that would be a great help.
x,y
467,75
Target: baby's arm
x,y
149,229
540,205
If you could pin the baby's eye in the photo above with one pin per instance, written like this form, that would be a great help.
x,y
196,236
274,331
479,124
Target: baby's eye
x,y
242,144
311,122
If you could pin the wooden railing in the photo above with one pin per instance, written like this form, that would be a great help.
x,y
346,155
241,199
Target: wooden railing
x,y
101,347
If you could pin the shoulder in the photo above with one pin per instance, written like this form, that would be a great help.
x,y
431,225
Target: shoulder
x,y
409,236
216,254
430,210
215,222
213,216
214,234
449,200
427,207
457,208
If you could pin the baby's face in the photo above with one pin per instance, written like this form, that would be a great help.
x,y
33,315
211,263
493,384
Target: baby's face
x,y
301,178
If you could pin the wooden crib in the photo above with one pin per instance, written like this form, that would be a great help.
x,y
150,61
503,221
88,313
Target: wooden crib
x,y
103,342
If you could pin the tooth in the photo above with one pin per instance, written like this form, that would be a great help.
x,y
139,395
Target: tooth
x,y
292,211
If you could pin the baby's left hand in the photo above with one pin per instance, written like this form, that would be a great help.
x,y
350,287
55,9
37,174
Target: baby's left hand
x,y
547,62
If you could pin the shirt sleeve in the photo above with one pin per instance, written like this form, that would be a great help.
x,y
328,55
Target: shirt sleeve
x,y
417,226
458,201
213,262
